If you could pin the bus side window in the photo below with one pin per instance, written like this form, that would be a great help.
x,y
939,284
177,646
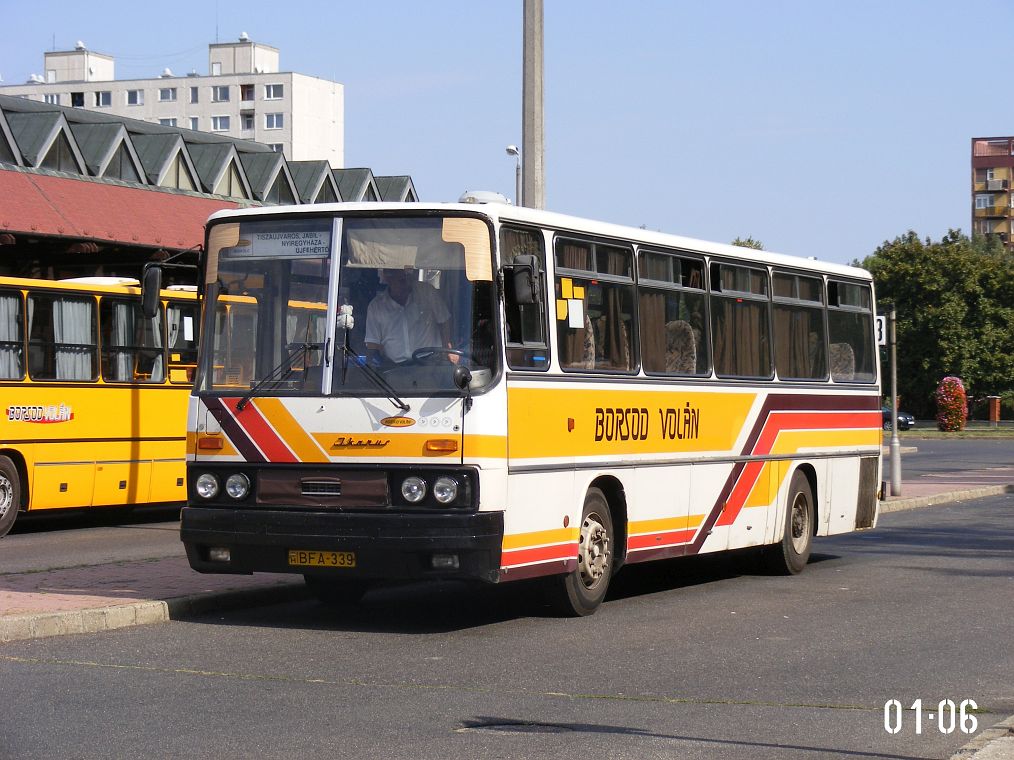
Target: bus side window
x,y
527,341
12,336
62,337
132,349
850,332
182,322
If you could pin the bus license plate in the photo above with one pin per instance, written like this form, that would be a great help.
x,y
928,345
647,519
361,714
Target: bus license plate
x,y
303,558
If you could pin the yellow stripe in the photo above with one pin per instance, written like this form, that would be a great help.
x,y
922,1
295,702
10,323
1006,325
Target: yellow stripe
x,y
792,441
665,524
289,430
394,444
540,538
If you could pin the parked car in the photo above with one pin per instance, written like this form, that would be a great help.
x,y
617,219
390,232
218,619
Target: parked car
x,y
905,420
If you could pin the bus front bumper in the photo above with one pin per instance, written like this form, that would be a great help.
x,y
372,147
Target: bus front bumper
x,y
399,546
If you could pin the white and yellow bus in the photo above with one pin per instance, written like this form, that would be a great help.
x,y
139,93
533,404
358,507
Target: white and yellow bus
x,y
599,396
94,396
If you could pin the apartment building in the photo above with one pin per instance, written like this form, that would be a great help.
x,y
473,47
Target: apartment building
x,y
243,96
992,196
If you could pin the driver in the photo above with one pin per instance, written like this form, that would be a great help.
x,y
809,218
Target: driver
x,y
407,316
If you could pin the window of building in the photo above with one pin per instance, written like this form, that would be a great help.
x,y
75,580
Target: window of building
x,y
216,69
246,121
167,122
194,123
672,303
219,123
166,94
77,99
276,147
594,306
246,92
121,166
51,75
220,93
135,97
195,94
131,344
61,156
103,99
53,98
62,337
274,91
274,120
984,200
740,321
12,358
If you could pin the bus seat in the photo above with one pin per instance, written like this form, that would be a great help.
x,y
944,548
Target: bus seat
x,y
680,347
843,362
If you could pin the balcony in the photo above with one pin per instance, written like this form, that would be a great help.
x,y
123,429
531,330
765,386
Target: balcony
x,y
990,211
996,184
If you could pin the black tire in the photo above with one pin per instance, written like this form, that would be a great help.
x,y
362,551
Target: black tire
x,y
790,555
336,592
581,592
887,425
10,495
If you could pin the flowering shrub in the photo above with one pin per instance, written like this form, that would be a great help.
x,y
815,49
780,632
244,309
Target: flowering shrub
x,y
952,404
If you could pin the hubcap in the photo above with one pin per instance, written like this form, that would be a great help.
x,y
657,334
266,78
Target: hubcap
x,y
6,495
800,525
593,553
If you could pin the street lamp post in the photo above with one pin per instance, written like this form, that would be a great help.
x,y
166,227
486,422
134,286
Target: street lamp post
x,y
512,150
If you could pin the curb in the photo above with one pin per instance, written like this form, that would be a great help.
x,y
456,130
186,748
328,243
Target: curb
x,y
995,743
897,505
41,625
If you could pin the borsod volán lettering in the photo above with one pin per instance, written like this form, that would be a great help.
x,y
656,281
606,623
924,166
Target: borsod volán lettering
x,y
633,423
50,413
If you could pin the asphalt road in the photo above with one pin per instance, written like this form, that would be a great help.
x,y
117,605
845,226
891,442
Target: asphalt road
x,y
936,455
701,658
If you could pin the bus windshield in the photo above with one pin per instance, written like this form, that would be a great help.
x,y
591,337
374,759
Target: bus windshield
x,y
414,301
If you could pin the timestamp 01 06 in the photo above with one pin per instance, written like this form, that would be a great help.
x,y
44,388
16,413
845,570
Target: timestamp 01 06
x,y
948,717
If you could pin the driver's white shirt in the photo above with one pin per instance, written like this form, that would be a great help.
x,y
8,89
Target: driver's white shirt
x,y
400,330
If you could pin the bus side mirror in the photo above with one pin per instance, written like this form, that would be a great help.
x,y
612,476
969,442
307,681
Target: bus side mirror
x,y
151,285
525,279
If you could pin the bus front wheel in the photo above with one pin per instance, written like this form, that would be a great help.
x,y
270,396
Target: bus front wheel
x,y
10,494
790,555
580,592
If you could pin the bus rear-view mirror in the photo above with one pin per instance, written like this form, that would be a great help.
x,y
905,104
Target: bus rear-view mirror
x,y
151,285
525,279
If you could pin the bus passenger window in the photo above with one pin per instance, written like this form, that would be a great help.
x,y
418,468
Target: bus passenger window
x,y
800,344
182,321
62,338
131,345
595,309
12,336
672,309
850,332
740,322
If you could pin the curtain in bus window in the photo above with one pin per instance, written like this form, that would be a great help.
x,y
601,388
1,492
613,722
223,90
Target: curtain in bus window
x,y
741,338
799,343
11,356
154,332
577,344
653,336
75,344
614,325
121,354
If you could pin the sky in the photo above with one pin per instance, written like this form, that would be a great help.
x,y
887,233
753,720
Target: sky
x,y
821,129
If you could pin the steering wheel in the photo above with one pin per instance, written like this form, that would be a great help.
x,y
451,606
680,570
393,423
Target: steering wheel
x,y
422,354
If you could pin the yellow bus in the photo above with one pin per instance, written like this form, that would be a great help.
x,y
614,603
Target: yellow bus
x,y
94,395
502,393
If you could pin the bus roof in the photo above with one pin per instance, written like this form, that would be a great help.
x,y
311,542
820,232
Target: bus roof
x,y
498,212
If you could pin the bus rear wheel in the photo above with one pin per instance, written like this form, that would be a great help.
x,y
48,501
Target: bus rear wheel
x,y
790,555
581,592
10,495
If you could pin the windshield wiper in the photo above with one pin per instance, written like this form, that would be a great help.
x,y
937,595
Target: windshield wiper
x,y
279,373
375,377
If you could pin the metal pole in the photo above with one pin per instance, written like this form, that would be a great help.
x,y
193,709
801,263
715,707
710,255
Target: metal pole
x,y
517,185
532,128
892,337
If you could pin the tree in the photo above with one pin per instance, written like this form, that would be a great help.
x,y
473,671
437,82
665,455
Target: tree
x,y
955,306
748,242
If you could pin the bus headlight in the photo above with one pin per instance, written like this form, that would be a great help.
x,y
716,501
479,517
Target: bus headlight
x,y
237,485
445,489
206,486
413,489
